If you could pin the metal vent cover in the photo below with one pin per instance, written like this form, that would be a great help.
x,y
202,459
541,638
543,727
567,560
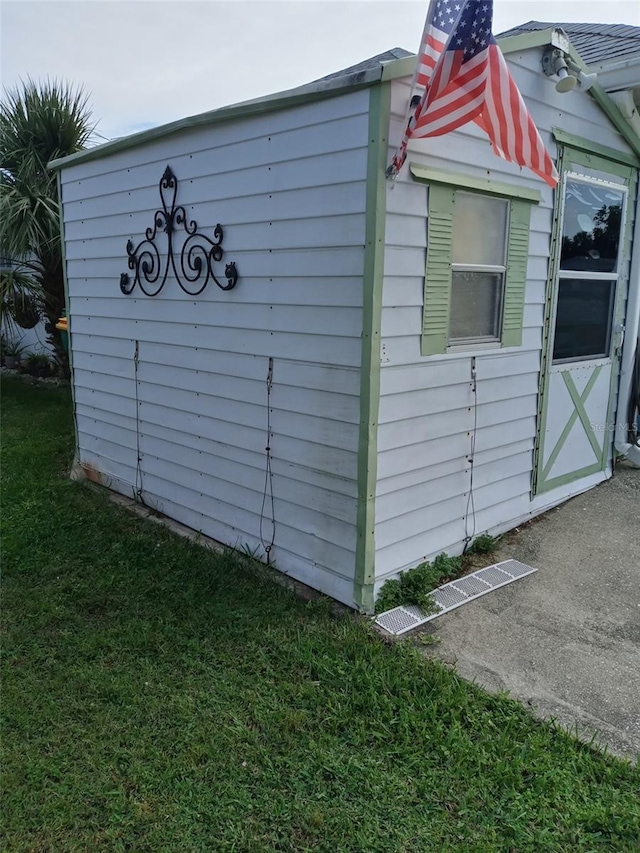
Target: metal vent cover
x,y
450,595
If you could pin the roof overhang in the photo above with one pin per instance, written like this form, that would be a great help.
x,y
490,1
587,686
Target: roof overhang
x,y
537,38
316,91
322,89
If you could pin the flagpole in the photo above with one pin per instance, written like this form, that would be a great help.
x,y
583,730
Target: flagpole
x,y
407,115
466,78
432,4
392,171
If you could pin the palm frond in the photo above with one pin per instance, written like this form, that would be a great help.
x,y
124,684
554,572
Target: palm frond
x,y
21,298
39,122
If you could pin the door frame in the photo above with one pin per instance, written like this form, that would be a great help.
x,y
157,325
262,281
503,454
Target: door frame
x,y
570,158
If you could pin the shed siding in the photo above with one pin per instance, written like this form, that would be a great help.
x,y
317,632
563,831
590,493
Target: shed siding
x,y
427,415
289,189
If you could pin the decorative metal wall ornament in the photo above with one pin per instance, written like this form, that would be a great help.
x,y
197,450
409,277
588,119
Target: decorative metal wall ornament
x,y
197,256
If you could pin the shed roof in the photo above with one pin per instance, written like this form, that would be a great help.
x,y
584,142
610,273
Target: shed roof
x,y
396,62
596,43
368,64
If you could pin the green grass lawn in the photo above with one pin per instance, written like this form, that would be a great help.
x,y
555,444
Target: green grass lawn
x,y
160,697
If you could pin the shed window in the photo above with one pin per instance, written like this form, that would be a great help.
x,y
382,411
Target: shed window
x,y
477,252
589,268
478,267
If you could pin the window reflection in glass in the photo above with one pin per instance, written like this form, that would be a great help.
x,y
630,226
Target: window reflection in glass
x,y
591,228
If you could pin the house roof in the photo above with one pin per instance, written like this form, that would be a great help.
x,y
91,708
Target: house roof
x,y
596,43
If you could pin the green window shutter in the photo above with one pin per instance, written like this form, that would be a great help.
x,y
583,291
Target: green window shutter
x,y
437,286
516,278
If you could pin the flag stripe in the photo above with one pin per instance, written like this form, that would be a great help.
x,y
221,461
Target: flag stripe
x,y
466,78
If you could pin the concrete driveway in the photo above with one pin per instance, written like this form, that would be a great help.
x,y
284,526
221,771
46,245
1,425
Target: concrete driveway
x,y
565,641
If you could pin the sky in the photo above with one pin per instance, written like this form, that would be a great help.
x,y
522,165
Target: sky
x,y
147,62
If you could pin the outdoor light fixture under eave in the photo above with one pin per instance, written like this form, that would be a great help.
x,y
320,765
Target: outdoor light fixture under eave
x,y
557,63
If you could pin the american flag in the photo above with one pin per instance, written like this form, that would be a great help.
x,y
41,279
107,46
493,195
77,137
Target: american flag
x,y
467,79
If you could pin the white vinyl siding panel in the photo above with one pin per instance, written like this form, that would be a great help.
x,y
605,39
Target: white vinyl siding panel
x,y
289,189
427,403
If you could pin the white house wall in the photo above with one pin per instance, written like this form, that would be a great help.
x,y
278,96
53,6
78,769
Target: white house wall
x,y
426,413
289,189
32,340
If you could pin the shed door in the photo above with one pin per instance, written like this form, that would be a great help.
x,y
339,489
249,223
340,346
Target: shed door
x,y
583,331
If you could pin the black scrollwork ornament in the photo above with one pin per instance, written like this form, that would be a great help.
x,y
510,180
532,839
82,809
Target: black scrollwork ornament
x,y
193,268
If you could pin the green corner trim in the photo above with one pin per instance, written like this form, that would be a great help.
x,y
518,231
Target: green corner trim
x,y
594,147
481,185
379,118
399,68
63,248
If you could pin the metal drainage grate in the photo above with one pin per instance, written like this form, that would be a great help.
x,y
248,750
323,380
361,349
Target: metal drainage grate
x,y
399,620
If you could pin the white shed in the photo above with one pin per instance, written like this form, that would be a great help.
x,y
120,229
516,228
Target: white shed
x,y
276,347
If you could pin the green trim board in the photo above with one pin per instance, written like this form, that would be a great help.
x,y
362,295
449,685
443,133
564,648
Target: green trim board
x,y
566,479
609,107
536,38
583,159
516,278
379,120
543,386
579,400
620,307
581,144
579,412
63,248
486,186
396,68
437,278
443,187
246,109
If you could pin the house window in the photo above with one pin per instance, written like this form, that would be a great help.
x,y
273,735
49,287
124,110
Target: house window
x,y
477,252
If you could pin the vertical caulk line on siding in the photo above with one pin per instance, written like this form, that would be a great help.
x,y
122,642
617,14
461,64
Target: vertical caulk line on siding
x,y
137,492
379,119
267,495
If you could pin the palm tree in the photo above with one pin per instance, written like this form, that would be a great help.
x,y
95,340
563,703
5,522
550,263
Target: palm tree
x,y
38,123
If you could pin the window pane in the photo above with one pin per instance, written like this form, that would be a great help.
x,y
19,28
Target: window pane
x,y
476,305
591,227
479,229
583,319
